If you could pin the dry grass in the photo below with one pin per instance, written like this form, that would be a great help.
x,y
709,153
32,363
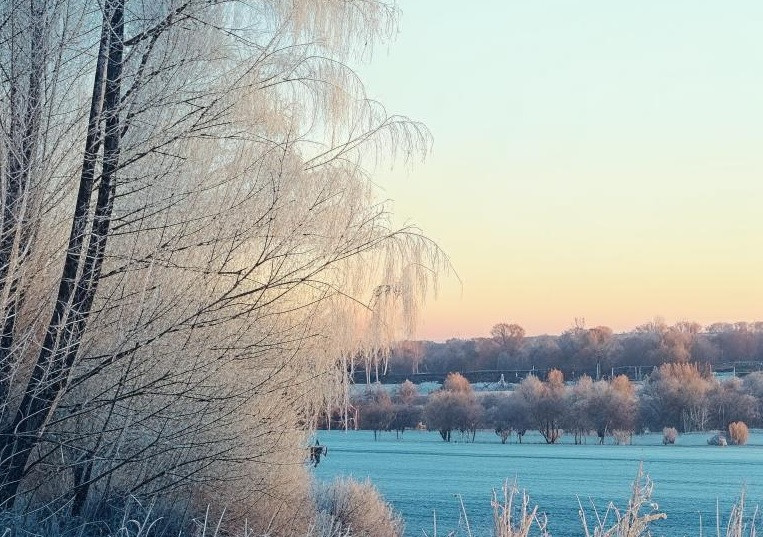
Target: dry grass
x,y
634,520
511,520
510,517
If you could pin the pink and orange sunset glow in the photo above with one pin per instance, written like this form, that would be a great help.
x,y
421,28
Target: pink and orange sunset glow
x,y
597,161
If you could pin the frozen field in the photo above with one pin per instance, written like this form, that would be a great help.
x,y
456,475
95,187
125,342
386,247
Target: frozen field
x,y
419,473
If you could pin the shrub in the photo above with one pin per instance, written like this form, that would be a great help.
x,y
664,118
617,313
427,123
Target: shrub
x,y
456,382
622,438
738,433
406,393
359,509
669,435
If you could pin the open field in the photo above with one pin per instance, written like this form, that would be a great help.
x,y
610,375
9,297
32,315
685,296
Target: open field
x,y
419,473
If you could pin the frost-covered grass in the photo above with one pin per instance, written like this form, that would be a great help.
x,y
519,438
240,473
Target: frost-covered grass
x,y
350,508
419,473
342,508
515,516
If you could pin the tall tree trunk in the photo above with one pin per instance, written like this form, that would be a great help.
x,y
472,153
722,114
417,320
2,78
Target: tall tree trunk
x,y
14,235
82,471
79,276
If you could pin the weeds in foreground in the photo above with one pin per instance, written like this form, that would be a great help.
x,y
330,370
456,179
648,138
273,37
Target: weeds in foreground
x,y
510,517
354,509
736,526
634,521
515,516
507,522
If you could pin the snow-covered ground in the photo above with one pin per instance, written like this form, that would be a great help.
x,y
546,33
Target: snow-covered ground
x,y
420,473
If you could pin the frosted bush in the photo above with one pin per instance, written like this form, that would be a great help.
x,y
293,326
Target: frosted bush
x,y
359,509
738,433
669,435
622,438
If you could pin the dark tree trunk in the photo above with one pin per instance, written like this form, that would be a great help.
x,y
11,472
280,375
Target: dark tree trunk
x,y
82,473
75,295
13,234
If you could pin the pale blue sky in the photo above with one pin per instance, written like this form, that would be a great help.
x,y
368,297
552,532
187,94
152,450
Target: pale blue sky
x,y
594,159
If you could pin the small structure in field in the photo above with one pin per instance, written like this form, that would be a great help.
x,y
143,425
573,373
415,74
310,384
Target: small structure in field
x,y
316,452
717,440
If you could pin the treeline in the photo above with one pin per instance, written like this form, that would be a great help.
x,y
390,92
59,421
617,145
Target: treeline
x,y
583,349
684,397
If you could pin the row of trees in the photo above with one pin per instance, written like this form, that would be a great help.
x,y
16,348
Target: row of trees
x,y
682,396
584,349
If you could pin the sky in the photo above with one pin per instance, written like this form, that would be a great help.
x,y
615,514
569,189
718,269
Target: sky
x,y
599,160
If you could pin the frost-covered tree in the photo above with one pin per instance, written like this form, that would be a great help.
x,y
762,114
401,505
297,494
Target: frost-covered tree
x,y
406,393
192,255
545,403
676,395
453,409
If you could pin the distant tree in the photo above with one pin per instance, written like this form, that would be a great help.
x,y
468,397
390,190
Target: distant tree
x,y
589,349
518,411
543,352
498,415
704,350
454,407
405,413
612,406
509,337
456,382
730,403
736,341
752,385
410,355
623,404
546,404
506,413
578,402
600,347
677,342
406,393
676,395
405,416
656,326
599,409
640,348
439,415
470,417
375,411
453,355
